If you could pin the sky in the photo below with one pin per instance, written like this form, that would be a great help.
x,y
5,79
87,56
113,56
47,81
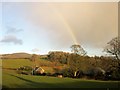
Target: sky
x,y
40,27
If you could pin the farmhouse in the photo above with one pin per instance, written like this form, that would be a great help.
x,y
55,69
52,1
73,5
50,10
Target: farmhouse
x,y
38,70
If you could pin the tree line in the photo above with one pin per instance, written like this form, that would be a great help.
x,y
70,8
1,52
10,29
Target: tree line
x,y
80,65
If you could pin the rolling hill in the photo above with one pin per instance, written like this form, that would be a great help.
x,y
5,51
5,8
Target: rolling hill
x,y
16,56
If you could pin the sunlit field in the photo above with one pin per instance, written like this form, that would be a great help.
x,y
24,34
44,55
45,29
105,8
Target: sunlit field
x,y
13,80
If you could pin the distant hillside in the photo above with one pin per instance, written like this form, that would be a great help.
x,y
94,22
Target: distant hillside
x,y
16,55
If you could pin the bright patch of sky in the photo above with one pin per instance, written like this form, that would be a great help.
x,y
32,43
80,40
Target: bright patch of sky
x,y
42,27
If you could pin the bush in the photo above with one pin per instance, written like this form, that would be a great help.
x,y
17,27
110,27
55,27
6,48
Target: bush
x,y
43,74
94,73
115,75
25,73
112,75
48,74
56,74
24,70
66,72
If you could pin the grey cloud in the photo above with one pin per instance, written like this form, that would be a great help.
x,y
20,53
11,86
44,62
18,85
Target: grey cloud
x,y
12,39
13,30
35,50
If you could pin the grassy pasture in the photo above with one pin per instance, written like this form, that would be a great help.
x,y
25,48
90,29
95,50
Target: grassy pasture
x,y
13,80
15,63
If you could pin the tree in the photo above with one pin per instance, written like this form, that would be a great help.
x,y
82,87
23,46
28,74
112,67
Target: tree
x,y
73,63
78,64
74,58
113,47
77,49
58,56
34,59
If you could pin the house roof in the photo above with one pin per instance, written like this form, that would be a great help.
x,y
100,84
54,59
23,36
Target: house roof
x,y
39,69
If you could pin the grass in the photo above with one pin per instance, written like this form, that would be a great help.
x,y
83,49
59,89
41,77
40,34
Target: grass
x,y
13,80
29,81
15,63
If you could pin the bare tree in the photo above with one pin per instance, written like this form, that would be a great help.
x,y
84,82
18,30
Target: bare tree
x,y
113,47
77,49
34,59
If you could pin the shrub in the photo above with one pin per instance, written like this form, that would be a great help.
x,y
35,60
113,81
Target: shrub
x,y
66,72
24,70
48,74
56,74
43,74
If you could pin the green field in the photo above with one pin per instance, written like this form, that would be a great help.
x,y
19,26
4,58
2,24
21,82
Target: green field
x,y
13,80
15,63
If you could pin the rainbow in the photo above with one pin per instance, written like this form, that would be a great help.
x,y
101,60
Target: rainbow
x,y
64,21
